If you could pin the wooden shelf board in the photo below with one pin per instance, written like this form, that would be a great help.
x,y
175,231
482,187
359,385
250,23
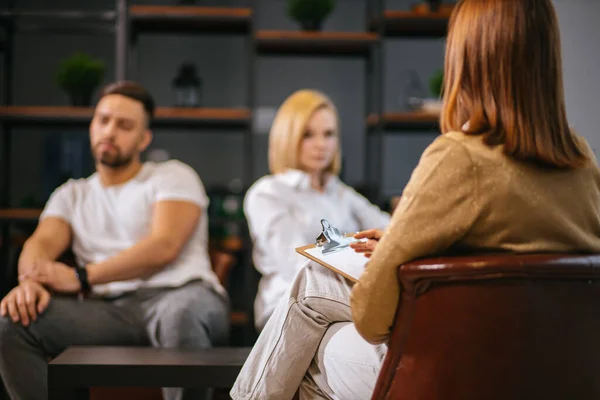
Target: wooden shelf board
x,y
239,318
73,15
410,23
213,117
35,115
191,19
405,121
20,213
317,43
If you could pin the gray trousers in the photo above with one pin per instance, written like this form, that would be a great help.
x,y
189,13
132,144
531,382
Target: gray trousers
x,y
192,316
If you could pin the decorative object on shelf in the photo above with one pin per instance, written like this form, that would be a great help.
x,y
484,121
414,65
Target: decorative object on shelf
x,y
187,86
434,105
310,14
413,92
435,83
186,2
79,75
433,6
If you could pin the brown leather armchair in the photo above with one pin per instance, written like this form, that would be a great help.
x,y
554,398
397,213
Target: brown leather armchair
x,y
495,327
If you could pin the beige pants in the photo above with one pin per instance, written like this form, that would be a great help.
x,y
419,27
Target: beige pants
x,y
310,344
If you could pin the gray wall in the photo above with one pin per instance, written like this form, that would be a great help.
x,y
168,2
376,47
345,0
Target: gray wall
x,y
218,156
580,31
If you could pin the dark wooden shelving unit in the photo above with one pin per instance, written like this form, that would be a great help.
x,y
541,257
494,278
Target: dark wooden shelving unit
x,y
128,22
314,43
190,19
418,22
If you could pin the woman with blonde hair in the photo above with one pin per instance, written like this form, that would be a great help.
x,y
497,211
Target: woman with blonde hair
x,y
507,175
284,209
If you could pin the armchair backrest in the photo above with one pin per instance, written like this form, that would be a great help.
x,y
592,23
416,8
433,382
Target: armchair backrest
x,y
496,327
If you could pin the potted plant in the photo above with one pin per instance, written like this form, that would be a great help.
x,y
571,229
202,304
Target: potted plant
x,y
435,83
79,75
310,14
434,105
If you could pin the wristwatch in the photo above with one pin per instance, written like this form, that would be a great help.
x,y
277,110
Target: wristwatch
x,y
81,273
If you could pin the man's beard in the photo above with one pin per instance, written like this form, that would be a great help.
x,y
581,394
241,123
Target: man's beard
x,y
115,160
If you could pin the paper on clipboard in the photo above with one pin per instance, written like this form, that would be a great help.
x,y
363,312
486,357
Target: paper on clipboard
x,y
332,250
347,262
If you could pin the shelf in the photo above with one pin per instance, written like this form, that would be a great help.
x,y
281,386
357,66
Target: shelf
x,y
410,23
74,22
20,214
315,43
208,117
164,116
74,15
403,121
43,114
190,19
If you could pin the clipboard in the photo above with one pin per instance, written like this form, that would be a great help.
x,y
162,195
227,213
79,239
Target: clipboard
x,y
332,250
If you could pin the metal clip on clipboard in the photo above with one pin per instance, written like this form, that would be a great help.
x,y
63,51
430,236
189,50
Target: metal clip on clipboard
x,y
331,239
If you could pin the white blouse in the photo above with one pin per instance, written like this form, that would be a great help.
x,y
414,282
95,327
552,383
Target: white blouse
x,y
284,212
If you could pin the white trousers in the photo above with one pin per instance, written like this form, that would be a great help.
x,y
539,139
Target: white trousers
x,y
310,344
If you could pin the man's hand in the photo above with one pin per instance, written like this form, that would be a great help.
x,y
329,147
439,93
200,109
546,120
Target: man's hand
x,y
55,275
367,247
25,302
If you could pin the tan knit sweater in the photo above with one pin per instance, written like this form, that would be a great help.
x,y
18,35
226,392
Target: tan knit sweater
x,y
465,194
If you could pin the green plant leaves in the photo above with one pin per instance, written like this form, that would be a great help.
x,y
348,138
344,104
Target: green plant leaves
x,y
80,72
310,10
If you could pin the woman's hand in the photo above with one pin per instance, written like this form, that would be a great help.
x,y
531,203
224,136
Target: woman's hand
x,y
367,247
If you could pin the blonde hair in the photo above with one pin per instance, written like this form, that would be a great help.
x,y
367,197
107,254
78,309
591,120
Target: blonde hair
x,y
289,127
503,79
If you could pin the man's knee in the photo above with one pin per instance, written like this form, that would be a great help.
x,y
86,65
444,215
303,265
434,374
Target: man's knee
x,y
10,332
6,328
192,322
182,327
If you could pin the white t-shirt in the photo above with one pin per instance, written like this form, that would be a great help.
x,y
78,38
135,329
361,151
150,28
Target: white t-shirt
x,y
107,220
285,212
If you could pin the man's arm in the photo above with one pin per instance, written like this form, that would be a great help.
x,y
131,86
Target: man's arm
x,y
49,240
173,223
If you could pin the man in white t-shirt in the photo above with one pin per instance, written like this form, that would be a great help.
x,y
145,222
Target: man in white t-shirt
x,y
138,232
